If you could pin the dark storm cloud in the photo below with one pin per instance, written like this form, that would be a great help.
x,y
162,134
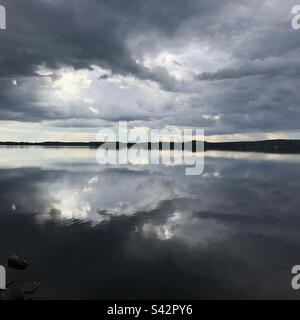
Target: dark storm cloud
x,y
57,33
81,34
250,82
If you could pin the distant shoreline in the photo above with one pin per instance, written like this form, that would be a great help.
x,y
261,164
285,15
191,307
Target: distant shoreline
x,y
266,146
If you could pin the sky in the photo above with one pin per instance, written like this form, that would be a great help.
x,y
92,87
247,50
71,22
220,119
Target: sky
x,y
71,67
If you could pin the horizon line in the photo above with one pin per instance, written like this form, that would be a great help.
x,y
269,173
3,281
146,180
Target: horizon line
x,y
132,142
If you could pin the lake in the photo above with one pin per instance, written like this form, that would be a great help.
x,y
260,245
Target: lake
x,y
93,231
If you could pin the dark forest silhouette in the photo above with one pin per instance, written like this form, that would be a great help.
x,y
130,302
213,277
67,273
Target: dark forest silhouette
x,y
267,146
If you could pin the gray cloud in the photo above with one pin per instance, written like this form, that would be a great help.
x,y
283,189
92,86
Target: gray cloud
x,y
58,33
267,67
227,67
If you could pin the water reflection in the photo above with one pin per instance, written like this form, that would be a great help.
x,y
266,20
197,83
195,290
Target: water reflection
x,y
150,231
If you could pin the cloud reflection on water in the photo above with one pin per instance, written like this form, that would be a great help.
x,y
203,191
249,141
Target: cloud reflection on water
x,y
221,231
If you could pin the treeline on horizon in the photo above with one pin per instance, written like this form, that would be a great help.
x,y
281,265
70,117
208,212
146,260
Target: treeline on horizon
x,y
267,146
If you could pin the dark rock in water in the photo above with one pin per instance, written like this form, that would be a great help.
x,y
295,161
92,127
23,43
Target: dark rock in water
x,y
30,288
15,290
12,294
16,263
19,292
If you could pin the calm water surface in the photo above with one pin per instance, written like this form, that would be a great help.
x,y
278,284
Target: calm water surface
x,y
92,231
